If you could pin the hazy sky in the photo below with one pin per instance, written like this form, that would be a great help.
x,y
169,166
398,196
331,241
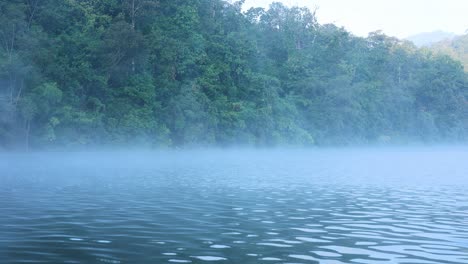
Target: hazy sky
x,y
399,18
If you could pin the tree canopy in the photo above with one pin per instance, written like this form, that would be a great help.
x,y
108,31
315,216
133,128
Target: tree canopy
x,y
156,73
456,47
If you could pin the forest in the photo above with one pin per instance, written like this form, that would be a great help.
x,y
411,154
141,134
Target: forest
x,y
177,73
457,48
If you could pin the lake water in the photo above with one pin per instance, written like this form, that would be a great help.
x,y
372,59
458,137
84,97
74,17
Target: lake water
x,y
290,206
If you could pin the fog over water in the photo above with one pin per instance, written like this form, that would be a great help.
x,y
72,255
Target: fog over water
x,y
108,110
386,205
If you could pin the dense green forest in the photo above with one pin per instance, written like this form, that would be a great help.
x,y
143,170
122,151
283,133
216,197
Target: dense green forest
x,y
77,73
457,48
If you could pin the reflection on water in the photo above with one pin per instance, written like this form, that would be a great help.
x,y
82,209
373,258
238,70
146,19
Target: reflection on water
x,y
236,207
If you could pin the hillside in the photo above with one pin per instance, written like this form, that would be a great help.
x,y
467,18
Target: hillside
x,y
457,48
428,38
146,73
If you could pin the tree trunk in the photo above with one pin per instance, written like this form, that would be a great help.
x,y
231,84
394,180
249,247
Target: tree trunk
x,y
399,74
32,6
133,13
18,95
28,129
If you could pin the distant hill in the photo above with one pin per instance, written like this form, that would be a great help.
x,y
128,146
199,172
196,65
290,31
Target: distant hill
x,y
457,48
429,38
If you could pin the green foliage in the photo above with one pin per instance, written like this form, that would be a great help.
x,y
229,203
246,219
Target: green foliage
x,y
178,73
456,48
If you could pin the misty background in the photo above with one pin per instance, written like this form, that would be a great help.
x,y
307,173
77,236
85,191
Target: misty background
x,y
398,18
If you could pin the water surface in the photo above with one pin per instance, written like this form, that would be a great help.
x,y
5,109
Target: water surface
x,y
294,206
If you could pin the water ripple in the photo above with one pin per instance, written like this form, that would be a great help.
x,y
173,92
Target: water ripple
x,y
233,212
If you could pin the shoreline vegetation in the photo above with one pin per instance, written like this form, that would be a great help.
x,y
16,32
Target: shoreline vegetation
x,y
181,74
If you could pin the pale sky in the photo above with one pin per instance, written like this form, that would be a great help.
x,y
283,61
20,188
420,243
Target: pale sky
x,y
400,18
